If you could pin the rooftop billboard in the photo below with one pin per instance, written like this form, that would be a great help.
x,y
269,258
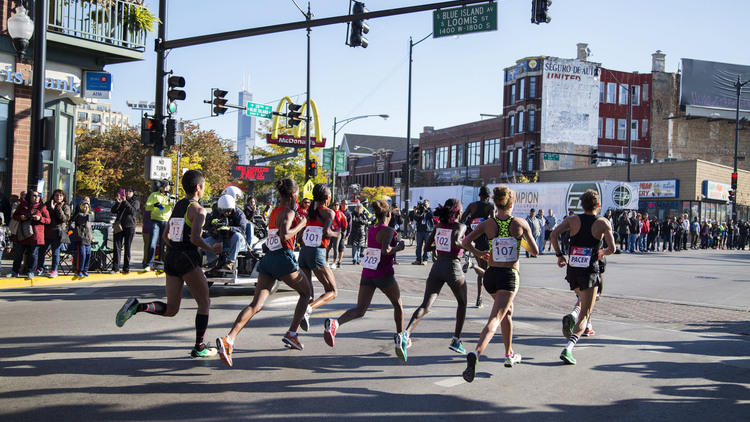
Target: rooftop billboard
x,y
710,85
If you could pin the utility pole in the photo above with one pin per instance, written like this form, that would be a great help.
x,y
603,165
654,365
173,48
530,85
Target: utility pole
x,y
37,94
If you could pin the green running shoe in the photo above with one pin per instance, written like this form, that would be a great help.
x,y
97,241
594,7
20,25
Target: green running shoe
x,y
471,366
567,357
128,310
401,341
568,323
203,351
457,346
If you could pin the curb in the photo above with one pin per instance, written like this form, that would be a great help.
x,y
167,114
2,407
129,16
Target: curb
x,y
17,283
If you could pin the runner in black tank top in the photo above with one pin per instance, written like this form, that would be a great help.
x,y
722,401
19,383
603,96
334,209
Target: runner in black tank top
x,y
182,264
583,273
474,214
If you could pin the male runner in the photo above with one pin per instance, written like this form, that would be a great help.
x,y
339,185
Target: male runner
x,y
583,271
474,214
182,264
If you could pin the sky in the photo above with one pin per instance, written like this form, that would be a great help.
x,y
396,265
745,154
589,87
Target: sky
x,y
455,79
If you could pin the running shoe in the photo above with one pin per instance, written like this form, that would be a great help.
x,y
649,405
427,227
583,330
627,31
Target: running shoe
x,y
401,341
128,310
203,351
479,302
52,274
568,323
292,342
30,276
224,347
329,332
11,275
588,332
567,357
457,346
465,267
471,366
511,360
305,323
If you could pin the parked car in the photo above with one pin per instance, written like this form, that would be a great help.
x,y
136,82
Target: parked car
x,y
102,209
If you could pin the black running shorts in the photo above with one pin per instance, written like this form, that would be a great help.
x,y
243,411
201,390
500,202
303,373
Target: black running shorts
x,y
181,262
501,278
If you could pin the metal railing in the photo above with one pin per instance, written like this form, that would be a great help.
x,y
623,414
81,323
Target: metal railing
x,y
106,21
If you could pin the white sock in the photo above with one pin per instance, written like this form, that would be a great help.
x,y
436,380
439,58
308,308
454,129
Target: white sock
x,y
589,325
571,343
292,334
575,312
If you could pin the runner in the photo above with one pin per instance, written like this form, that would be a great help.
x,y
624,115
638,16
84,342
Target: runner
x,y
446,238
182,264
312,255
278,263
501,278
583,268
475,214
382,244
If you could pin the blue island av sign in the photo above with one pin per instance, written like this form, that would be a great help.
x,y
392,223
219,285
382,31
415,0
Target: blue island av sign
x,y
97,85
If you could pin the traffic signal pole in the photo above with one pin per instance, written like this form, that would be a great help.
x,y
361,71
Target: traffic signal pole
x,y
159,97
308,176
738,86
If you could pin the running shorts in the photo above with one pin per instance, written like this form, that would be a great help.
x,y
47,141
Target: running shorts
x,y
446,270
277,264
378,282
583,281
181,261
500,278
312,258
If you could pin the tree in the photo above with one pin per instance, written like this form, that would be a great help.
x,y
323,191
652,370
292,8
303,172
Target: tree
x,y
376,193
205,151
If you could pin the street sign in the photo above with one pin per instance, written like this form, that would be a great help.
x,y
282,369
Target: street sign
x,y
158,168
340,160
464,20
253,173
551,157
307,190
295,142
258,110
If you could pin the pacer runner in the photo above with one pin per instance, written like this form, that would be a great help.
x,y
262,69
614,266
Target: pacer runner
x,y
475,214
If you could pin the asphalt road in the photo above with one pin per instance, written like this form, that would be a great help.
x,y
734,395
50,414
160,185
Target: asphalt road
x,y
64,358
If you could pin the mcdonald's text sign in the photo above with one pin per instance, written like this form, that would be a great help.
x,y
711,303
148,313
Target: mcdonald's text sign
x,y
295,141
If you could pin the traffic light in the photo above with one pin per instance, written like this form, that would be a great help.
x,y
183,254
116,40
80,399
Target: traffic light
x,y
149,135
312,169
359,27
734,181
218,103
175,94
594,156
171,127
292,114
732,196
540,11
414,157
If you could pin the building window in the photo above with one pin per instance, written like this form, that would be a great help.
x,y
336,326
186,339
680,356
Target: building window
x,y
96,128
96,118
513,94
623,94
428,159
457,155
520,122
602,92
622,127
634,130
610,129
106,119
601,128
473,154
519,161
441,158
83,116
611,92
510,160
532,122
521,88
636,95
532,87
529,162
645,92
492,151
512,125
644,128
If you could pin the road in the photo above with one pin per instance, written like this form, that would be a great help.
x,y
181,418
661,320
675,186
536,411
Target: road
x,y
681,356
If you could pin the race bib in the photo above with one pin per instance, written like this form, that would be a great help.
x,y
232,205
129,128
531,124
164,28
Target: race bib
x,y
579,257
273,241
443,240
312,236
504,249
371,258
476,222
176,226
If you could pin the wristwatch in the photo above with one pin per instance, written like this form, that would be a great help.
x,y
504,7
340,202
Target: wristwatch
x,y
559,254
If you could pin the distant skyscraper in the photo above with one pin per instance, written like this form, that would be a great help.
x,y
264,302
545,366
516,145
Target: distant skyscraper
x,y
245,129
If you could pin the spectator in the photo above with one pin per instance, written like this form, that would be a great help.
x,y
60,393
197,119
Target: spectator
x,y
635,229
59,213
82,237
30,213
159,204
5,207
424,225
345,233
550,222
653,235
125,210
249,216
540,239
395,223
667,230
645,228
695,229
358,236
536,228
623,230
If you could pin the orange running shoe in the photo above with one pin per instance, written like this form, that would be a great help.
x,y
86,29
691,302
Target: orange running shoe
x,y
292,342
225,350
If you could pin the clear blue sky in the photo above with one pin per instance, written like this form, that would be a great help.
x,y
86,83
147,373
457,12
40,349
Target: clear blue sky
x,y
455,78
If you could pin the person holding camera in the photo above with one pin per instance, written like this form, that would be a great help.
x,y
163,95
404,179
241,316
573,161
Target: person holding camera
x,y
423,219
125,210
59,213
32,215
159,204
226,225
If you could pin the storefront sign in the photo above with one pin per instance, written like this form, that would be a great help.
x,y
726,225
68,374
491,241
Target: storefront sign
x,y
97,85
659,189
253,173
716,190
68,85
294,141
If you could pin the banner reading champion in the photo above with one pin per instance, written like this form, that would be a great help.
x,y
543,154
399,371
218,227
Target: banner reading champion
x,y
296,140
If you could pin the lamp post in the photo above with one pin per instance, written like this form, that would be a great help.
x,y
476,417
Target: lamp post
x,y
408,122
738,86
20,29
343,123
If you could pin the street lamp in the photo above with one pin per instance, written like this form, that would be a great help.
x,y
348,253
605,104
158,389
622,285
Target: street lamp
x,y
738,86
341,125
20,29
408,119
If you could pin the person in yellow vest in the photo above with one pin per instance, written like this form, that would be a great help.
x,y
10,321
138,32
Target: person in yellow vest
x,y
160,205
